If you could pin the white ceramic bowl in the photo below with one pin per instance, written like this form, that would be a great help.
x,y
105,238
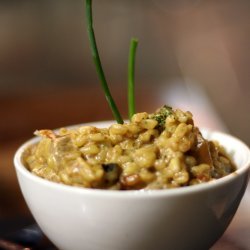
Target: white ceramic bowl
x,y
183,218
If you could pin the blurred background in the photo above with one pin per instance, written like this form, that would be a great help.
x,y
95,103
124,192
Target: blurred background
x,y
192,54
44,49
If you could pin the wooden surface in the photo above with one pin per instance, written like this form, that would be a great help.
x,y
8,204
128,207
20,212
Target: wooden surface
x,y
21,115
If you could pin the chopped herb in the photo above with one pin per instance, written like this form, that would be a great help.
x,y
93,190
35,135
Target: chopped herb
x,y
161,114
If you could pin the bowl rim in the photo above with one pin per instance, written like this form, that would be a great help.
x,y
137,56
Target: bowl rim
x,y
21,169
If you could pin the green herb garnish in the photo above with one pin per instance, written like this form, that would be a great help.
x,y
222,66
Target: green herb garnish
x,y
131,77
98,64
161,114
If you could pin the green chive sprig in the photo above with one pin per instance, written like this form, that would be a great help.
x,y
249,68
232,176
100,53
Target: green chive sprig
x,y
131,77
97,61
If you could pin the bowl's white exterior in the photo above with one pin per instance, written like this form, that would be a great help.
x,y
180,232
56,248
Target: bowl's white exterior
x,y
183,218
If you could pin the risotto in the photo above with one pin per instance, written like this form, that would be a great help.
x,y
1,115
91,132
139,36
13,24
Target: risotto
x,y
154,151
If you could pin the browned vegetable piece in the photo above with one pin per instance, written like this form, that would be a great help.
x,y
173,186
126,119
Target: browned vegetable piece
x,y
112,173
202,152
